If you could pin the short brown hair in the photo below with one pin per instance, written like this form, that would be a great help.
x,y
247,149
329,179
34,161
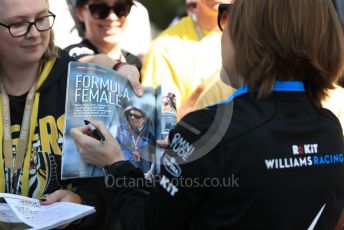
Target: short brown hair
x,y
287,40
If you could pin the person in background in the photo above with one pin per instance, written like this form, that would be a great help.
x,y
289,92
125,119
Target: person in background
x,y
214,93
188,10
186,55
137,32
64,26
272,140
101,24
33,77
190,6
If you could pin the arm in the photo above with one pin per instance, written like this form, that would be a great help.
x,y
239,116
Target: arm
x,y
165,206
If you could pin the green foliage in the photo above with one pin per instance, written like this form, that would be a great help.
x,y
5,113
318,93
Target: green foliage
x,y
161,12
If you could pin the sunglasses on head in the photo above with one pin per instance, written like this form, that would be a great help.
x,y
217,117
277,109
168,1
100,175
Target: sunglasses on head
x,y
102,10
222,15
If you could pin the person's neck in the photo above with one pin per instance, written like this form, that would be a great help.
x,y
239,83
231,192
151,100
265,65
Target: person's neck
x,y
206,19
19,80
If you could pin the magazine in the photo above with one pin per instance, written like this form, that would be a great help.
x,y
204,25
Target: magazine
x,y
95,92
21,209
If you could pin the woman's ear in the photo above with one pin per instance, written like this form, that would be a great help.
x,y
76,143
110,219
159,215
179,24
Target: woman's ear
x,y
79,12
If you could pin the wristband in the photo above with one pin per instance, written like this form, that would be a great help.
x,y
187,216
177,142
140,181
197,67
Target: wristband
x,y
118,65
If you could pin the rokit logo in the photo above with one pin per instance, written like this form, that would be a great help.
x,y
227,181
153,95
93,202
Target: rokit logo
x,y
305,155
168,186
305,149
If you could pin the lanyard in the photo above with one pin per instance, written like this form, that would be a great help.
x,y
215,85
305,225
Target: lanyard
x,y
136,143
24,129
198,29
280,86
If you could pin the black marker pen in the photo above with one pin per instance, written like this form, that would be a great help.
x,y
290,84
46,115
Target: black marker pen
x,y
96,133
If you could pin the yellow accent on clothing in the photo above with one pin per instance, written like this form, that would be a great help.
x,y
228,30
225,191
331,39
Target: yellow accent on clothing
x,y
45,72
217,91
180,60
26,167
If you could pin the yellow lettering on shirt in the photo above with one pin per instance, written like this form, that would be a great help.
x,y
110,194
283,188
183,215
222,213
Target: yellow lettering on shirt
x,y
49,135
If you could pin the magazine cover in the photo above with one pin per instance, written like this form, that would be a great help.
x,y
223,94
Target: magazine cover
x,y
95,92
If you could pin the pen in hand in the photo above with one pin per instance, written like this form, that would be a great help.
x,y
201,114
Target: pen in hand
x,y
96,133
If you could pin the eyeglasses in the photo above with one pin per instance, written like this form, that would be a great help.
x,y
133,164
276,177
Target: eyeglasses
x,y
20,29
102,11
222,15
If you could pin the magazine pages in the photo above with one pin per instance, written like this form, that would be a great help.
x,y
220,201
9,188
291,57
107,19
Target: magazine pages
x,y
97,93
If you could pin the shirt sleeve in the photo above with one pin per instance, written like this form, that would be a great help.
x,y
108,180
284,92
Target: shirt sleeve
x,y
171,201
93,192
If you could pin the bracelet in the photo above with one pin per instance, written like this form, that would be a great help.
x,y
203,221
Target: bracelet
x,y
118,65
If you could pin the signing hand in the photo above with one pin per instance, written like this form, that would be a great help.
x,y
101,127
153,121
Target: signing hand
x,y
93,151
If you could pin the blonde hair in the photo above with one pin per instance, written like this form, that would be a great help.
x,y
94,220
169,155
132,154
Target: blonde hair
x,y
52,50
287,40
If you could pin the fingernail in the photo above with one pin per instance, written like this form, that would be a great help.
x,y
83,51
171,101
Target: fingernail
x,y
43,197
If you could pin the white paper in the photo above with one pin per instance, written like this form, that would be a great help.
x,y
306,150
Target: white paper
x,y
7,215
38,216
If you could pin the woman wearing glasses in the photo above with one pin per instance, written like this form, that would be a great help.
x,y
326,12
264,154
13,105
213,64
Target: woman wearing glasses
x,y
33,74
100,23
278,164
